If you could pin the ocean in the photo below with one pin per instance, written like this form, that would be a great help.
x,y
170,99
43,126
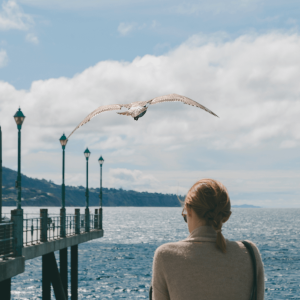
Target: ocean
x,y
119,265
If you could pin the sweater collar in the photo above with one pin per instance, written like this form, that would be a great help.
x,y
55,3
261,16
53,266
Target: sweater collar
x,y
202,234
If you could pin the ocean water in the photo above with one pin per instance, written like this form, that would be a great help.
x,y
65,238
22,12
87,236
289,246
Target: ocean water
x,y
119,265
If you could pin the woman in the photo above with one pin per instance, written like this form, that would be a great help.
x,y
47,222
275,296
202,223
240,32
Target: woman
x,y
205,265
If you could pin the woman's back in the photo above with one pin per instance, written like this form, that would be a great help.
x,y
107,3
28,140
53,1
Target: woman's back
x,y
195,269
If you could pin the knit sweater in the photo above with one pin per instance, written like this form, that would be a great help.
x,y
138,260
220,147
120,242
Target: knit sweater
x,y
195,269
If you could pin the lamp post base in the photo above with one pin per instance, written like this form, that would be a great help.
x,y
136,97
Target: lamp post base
x,y
63,222
100,218
87,220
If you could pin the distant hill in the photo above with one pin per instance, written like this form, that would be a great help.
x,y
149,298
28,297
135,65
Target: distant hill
x,y
36,192
245,206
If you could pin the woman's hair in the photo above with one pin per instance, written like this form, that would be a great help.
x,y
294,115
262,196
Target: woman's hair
x,y
210,201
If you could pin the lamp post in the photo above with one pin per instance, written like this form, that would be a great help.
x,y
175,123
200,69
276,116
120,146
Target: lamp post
x,y
63,141
87,154
19,118
101,162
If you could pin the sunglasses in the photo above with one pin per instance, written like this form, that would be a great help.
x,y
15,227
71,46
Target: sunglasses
x,y
184,216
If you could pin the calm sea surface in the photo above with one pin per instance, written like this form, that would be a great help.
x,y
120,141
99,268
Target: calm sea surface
x,y
120,264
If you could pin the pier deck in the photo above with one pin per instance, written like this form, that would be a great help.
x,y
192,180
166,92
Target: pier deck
x,y
41,249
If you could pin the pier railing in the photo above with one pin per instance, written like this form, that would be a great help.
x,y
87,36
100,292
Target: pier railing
x,y
6,239
22,232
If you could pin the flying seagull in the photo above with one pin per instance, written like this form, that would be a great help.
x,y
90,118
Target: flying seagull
x,y
137,109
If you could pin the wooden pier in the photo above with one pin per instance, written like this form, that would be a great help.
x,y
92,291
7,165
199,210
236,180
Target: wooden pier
x,y
22,239
27,238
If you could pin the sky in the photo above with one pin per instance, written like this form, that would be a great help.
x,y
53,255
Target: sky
x,y
60,60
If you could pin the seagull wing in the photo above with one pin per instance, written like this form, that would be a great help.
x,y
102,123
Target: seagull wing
x,y
185,100
137,103
97,112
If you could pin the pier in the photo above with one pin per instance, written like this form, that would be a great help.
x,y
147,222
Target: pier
x,y
22,239
29,237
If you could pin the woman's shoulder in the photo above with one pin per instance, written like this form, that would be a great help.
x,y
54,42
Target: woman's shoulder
x,y
242,246
170,248
238,246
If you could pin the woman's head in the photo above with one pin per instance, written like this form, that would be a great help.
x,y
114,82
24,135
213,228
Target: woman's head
x,y
210,201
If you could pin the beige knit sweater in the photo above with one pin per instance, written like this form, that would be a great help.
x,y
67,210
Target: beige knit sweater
x,y
195,269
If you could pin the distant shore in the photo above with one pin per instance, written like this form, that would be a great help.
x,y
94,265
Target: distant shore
x,y
246,206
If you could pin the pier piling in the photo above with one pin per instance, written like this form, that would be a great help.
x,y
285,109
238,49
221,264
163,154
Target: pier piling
x,y
46,281
63,265
5,287
74,272
50,265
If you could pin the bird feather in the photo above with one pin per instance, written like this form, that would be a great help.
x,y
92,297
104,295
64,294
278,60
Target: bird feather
x,y
185,100
96,112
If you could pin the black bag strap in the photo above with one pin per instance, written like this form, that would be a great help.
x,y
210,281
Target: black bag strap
x,y
253,259
150,292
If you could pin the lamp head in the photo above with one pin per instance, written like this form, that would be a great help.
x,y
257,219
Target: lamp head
x,y
87,153
63,141
19,118
101,161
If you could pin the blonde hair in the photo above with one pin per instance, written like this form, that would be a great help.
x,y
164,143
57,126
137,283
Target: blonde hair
x,y
210,201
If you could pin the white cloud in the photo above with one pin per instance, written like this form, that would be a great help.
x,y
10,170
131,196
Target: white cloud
x,y
3,58
125,28
13,17
155,24
132,179
32,38
250,82
289,144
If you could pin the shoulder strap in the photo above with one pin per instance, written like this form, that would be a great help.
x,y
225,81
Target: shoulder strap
x,y
253,259
150,292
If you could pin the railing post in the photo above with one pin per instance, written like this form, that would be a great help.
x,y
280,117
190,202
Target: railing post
x,y
77,220
44,225
17,219
87,220
100,218
96,218
62,222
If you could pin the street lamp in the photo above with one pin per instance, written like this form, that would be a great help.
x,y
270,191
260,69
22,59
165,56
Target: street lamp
x,y
19,118
87,154
101,162
63,141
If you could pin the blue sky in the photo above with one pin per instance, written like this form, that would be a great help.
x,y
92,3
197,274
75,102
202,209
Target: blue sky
x,y
62,38
60,60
